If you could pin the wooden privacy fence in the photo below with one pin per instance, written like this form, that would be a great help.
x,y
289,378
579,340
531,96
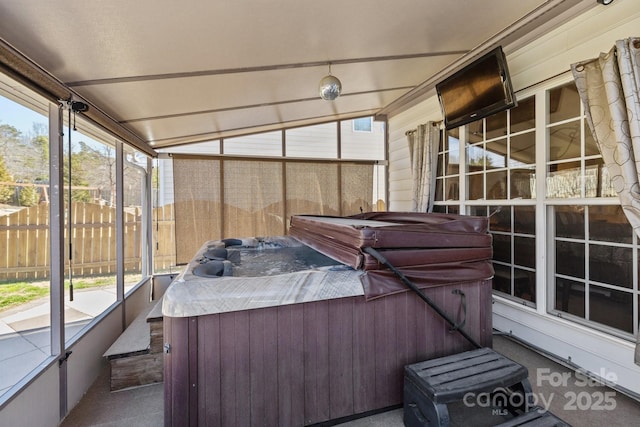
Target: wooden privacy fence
x,y
25,237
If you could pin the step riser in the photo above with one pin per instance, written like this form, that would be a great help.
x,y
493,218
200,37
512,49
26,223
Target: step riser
x,y
155,329
135,371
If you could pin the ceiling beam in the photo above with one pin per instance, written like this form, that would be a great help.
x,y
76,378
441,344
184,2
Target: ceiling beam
x,y
249,106
264,127
257,69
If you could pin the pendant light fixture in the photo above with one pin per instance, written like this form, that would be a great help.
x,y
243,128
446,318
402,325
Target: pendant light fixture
x,y
330,87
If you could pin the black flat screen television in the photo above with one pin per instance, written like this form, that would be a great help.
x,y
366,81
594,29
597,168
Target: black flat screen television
x,y
478,90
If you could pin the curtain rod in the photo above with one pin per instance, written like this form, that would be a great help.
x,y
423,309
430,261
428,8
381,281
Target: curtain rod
x,y
436,123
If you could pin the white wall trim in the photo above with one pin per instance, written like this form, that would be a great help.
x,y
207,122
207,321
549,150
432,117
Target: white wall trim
x,y
600,354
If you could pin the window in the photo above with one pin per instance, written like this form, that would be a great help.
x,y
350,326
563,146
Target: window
x,y
364,124
163,217
90,181
514,246
500,168
595,264
24,232
574,166
594,249
448,167
501,155
135,216
85,194
586,262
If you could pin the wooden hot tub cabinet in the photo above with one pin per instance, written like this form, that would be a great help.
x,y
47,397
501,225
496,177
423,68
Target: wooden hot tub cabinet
x,y
329,341
300,364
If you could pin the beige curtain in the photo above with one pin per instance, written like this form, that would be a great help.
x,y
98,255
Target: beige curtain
x,y
217,198
608,86
197,204
423,146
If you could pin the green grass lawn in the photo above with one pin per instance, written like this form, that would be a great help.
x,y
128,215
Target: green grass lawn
x,y
13,294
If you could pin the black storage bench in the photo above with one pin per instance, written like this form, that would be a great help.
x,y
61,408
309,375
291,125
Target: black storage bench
x,y
431,385
536,417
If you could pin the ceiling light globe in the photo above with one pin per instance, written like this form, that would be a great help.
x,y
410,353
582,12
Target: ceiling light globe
x,y
330,88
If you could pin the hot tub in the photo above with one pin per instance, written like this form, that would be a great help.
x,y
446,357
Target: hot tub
x,y
286,332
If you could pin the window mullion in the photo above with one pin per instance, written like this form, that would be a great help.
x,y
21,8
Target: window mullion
x,y
57,242
462,169
544,239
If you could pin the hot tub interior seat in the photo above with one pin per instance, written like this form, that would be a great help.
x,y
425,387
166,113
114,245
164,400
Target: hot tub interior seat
x,y
258,257
213,268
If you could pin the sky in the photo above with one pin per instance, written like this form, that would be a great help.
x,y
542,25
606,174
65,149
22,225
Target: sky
x,y
18,116
23,118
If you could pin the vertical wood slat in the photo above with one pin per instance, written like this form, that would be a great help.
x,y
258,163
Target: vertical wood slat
x,y
309,363
4,239
193,367
235,367
438,328
364,366
14,239
32,238
43,239
316,362
263,359
341,358
290,362
209,386
164,252
227,369
485,313
178,372
258,366
21,255
384,324
167,365
132,242
26,234
406,336
77,238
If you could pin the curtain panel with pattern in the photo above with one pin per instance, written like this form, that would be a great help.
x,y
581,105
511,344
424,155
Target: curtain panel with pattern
x,y
423,146
609,89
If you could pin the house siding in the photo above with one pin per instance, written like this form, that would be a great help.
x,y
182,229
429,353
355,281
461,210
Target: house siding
x,y
547,59
399,162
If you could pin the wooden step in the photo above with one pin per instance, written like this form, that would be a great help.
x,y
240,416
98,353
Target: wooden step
x,y
136,371
136,357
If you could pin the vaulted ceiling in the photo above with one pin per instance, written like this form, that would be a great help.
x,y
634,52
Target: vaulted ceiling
x,y
175,73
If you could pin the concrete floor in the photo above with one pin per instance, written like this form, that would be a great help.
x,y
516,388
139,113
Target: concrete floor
x,y
573,400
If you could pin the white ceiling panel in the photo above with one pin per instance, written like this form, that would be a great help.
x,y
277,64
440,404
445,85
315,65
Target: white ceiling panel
x,y
176,72
161,132
185,95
